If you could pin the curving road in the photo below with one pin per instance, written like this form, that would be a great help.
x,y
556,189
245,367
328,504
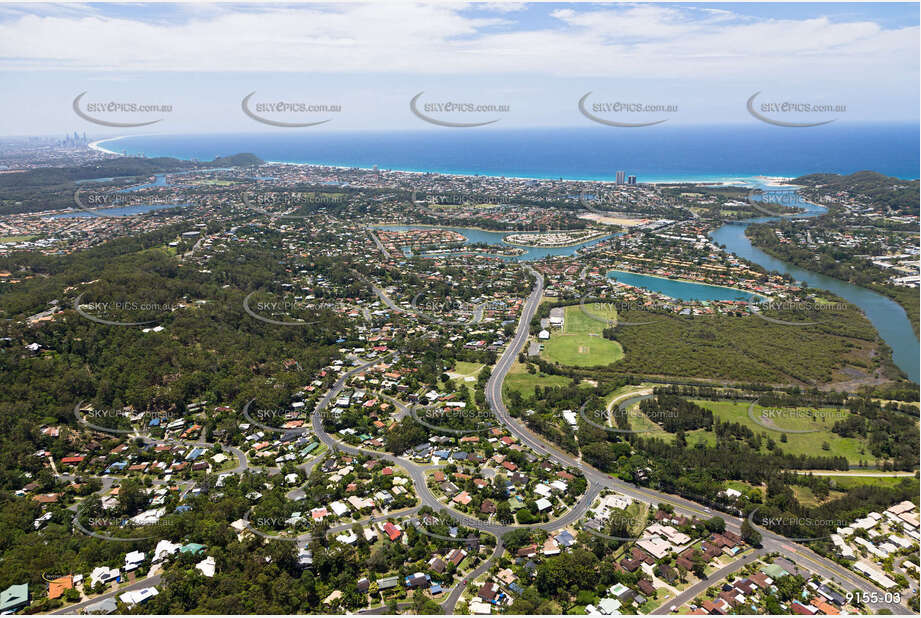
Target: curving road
x,y
597,480
771,541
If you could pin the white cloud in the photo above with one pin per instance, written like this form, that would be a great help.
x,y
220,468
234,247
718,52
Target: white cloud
x,y
627,41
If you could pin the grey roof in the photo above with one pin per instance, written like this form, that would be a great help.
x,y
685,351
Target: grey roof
x,y
14,597
105,606
388,582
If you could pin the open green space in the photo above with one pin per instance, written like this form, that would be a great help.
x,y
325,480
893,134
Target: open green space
x,y
812,443
465,372
20,238
582,322
518,379
580,343
846,483
640,422
806,497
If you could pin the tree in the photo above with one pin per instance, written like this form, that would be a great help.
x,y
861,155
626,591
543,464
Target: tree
x,y
422,605
715,524
504,512
749,534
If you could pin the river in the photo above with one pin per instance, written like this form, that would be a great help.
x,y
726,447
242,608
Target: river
x,y
887,316
473,235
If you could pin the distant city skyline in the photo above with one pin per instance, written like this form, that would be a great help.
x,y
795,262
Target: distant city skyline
x,y
702,62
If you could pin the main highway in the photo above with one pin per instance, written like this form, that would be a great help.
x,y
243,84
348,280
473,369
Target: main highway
x,y
597,481
771,541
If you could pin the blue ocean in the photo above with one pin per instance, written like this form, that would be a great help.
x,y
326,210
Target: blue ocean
x,y
653,154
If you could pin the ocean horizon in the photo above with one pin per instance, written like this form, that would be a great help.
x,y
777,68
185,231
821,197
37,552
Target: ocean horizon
x,y
722,154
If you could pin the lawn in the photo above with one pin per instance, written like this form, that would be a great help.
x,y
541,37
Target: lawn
x,y
853,449
580,322
849,482
640,422
745,488
518,379
465,372
654,602
20,238
580,343
806,497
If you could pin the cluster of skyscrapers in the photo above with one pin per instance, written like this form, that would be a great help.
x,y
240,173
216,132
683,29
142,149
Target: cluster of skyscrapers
x,y
74,141
631,180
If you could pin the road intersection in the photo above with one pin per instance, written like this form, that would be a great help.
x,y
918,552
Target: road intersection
x,y
597,481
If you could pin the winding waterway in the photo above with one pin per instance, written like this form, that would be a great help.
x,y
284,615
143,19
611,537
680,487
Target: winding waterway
x,y
681,290
887,316
473,235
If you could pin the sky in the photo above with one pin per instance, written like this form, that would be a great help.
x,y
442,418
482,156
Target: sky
x,y
699,61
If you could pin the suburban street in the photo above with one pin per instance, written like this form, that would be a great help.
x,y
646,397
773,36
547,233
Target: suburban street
x,y
596,479
701,586
771,542
153,580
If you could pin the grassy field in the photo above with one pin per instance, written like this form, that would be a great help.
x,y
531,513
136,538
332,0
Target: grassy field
x,y
848,482
465,372
744,487
518,379
580,343
811,443
805,496
21,238
640,422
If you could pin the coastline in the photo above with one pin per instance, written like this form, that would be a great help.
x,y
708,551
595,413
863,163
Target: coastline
x,y
727,180
97,145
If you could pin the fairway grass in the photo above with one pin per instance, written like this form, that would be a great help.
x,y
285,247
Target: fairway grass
x,y
854,449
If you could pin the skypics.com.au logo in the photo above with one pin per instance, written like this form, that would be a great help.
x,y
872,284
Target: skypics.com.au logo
x,y
624,114
287,312
440,526
776,202
804,308
123,311
608,420
793,524
139,529
288,114
447,113
282,420
289,204
147,419
777,112
454,420
446,310
119,113
118,204
771,416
